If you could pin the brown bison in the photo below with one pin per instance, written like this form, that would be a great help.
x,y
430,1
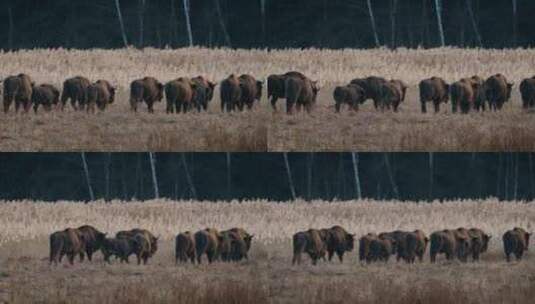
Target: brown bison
x,y
364,247
230,92
180,95
251,90
204,92
339,241
75,89
148,90
412,245
300,92
153,240
122,248
18,88
392,94
463,95
311,242
479,242
207,242
478,86
100,94
92,240
276,86
246,236
45,95
350,94
515,241
434,89
449,243
372,88
68,242
527,91
143,248
232,246
382,248
497,91
185,247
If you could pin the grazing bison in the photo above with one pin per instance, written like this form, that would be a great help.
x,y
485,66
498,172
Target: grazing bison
x,y
122,248
92,240
180,95
204,92
276,86
100,94
18,88
463,95
449,243
207,242
364,247
45,95
434,89
68,242
339,241
350,94
230,92
153,241
527,90
148,90
251,90
497,91
75,89
515,241
300,92
185,247
372,88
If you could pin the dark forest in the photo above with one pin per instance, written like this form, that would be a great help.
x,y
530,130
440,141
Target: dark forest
x,y
223,176
266,23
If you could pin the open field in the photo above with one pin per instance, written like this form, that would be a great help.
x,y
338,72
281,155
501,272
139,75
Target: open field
x,y
268,276
262,130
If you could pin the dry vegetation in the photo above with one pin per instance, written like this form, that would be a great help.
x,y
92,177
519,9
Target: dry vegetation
x,y
261,130
268,276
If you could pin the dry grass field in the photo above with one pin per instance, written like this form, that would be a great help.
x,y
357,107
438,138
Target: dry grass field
x,y
261,129
268,276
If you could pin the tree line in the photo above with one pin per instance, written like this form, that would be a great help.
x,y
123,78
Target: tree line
x,y
273,176
266,23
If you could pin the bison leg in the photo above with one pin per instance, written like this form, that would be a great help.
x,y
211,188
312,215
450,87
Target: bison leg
x,y
7,103
274,102
81,257
138,256
289,107
73,104
71,258
437,107
423,106
340,255
35,106
149,106
330,254
519,254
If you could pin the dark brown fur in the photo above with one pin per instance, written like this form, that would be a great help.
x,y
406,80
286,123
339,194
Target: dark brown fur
x,y
180,95
339,241
478,86
100,94
364,247
153,241
18,88
448,243
185,247
207,242
515,241
382,248
122,248
66,242
93,239
372,88
434,89
45,95
527,91
75,89
276,86
463,95
148,90
350,94
300,92
412,245
230,92
497,91
204,92
251,90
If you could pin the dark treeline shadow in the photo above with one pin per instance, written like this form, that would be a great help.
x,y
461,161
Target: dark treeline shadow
x,y
273,176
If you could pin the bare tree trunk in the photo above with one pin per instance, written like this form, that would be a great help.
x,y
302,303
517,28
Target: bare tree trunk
x,y
515,187
123,178
498,179
263,13
506,180
188,177
515,23
120,16
393,13
391,176
10,32
141,14
355,159
424,23
229,176
530,172
289,173
188,23
372,20
107,175
309,175
152,159
87,177
222,22
438,9
474,25
431,175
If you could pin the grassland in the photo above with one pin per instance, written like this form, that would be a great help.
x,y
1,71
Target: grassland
x,y
267,277
261,129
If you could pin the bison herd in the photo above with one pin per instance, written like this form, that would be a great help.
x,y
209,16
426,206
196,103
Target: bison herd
x,y
320,244
240,92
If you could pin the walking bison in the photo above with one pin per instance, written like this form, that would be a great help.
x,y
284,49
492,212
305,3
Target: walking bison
x,y
300,93
68,242
18,89
45,95
185,247
100,94
180,95
309,242
75,89
148,90
230,92
92,239
121,248
276,86
351,95
449,243
497,91
434,89
339,241
204,92
527,91
515,242
251,90
463,95
372,86
207,242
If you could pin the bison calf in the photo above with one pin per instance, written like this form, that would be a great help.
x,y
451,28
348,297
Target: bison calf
x,y
350,94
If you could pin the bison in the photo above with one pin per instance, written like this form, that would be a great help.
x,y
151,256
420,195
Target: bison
x,y
527,91
350,94
68,242
122,248
412,245
75,89
45,95
276,86
382,248
434,89
449,243
92,240
207,242
311,242
153,240
515,241
251,90
230,92
180,95
478,86
185,247
463,95
497,91
232,246
479,242
100,94
148,90
204,92
18,88
339,241
372,86
364,247
300,92
392,93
